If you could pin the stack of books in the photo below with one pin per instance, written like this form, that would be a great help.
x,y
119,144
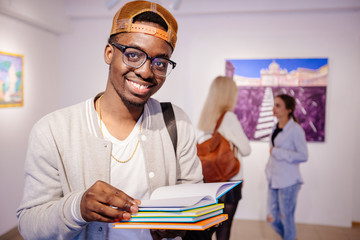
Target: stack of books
x,y
181,207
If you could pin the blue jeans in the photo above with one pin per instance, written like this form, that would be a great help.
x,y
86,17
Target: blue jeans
x,y
281,210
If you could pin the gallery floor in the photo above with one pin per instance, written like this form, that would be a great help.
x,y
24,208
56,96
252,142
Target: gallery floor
x,y
260,230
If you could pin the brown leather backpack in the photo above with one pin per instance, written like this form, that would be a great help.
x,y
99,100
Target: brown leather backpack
x,y
218,160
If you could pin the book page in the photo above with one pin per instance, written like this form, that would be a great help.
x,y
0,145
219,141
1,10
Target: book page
x,y
177,202
185,195
213,190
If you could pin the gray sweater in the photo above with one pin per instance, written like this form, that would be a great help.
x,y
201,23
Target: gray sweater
x,y
67,155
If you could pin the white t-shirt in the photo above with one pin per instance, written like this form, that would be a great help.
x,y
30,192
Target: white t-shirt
x,y
130,177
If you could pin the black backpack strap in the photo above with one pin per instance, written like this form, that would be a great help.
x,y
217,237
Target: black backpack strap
x,y
170,122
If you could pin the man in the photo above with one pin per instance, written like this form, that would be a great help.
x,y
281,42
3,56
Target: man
x,y
88,164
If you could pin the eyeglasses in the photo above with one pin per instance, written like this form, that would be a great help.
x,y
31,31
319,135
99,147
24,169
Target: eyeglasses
x,y
134,57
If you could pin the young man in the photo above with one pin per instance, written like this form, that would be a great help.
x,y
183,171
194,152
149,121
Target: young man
x,y
88,164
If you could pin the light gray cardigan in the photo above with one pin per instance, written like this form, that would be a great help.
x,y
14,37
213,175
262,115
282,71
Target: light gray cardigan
x,y
66,155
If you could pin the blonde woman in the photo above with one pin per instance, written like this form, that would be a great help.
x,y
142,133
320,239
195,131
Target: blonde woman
x,y
222,98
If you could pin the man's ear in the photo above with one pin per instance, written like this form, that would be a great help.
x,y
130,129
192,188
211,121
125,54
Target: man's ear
x,y
108,53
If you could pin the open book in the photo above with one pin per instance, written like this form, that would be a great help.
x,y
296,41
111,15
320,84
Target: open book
x,y
185,196
201,225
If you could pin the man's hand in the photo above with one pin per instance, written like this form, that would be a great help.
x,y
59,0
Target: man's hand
x,y
158,234
105,203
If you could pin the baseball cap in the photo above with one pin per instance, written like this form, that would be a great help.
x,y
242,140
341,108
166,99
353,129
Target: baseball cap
x,y
123,21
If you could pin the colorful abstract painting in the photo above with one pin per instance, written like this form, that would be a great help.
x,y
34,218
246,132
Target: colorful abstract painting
x,y
260,80
11,80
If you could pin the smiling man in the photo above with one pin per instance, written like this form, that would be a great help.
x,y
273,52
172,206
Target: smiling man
x,y
88,165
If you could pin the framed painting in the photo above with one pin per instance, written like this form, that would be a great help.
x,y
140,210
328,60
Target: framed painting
x,y
11,80
260,80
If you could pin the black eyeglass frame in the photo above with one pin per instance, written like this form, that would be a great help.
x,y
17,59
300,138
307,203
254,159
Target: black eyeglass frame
x,y
123,48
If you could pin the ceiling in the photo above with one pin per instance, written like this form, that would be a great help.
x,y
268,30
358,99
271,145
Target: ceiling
x,y
96,8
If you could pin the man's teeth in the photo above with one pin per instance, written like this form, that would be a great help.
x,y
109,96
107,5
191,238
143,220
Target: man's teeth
x,y
142,87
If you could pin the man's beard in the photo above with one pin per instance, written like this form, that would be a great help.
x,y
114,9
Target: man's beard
x,y
129,103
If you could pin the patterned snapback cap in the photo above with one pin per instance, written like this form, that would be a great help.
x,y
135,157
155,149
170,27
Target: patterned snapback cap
x,y
123,21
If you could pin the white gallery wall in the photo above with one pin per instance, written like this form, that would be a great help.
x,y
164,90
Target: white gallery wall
x,y
41,48
328,174
65,67
41,95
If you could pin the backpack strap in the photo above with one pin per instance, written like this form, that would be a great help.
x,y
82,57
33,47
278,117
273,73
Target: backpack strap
x,y
170,122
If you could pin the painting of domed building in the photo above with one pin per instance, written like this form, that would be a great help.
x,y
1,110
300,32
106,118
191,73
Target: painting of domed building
x,y
260,80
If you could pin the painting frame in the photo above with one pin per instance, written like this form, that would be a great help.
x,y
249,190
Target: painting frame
x,y
11,80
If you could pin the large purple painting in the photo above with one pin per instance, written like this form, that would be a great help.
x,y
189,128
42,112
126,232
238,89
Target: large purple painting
x,y
260,80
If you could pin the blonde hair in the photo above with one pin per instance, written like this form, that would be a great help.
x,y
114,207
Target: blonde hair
x,y
221,98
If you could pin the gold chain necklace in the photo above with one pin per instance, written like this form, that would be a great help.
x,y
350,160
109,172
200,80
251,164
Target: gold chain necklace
x,y
137,144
